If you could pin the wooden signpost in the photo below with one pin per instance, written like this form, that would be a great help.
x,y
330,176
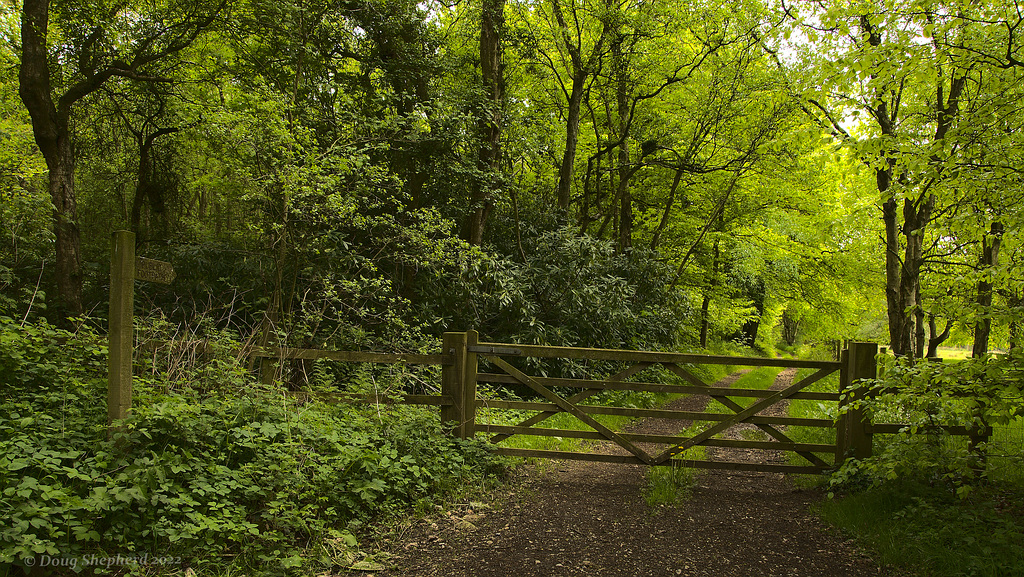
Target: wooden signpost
x,y
125,269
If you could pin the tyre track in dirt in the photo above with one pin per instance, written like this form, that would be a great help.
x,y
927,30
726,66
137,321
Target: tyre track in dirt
x,y
568,518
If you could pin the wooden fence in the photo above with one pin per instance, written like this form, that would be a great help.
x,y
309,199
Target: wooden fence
x,y
462,356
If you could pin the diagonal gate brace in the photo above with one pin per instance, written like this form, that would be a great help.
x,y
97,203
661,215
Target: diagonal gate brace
x,y
736,407
571,409
740,416
620,376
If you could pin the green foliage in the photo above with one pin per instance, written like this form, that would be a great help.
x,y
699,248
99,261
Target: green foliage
x,y
925,396
672,484
570,290
244,474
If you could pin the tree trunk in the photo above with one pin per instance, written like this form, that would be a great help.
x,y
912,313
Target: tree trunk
x,y
892,274
915,219
622,84
68,237
704,306
934,340
572,137
989,260
491,121
790,328
706,302
656,239
50,127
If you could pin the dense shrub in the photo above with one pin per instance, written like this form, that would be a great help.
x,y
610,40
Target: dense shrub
x,y
925,396
563,289
248,476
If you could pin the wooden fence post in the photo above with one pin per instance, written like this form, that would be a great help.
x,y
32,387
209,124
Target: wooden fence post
x,y
855,429
458,381
120,338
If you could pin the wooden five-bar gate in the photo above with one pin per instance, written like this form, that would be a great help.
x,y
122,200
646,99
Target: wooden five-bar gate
x,y
460,379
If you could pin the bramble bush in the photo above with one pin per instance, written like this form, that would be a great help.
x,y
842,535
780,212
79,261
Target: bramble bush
x,y
247,476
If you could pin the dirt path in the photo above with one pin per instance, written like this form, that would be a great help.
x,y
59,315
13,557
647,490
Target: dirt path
x,y
577,518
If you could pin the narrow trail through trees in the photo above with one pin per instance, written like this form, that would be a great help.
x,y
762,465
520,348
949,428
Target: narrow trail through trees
x,y
580,518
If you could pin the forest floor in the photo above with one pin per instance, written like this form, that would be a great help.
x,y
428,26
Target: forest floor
x,y
563,518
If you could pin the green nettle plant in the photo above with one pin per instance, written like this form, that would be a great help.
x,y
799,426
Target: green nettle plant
x,y
926,396
242,475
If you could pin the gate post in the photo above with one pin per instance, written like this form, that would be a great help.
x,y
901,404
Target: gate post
x,y
458,381
843,424
469,387
120,333
854,434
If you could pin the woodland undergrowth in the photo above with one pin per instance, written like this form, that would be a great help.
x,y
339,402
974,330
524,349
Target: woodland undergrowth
x,y
237,478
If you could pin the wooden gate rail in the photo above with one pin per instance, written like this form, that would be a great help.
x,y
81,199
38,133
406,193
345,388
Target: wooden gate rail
x,y
655,413
654,387
663,439
286,353
540,351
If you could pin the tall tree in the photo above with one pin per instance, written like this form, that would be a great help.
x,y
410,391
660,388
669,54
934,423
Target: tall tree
x,y
906,68
491,117
579,49
105,42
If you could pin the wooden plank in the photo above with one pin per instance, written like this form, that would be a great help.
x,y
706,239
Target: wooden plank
x,y
566,455
467,392
570,408
752,467
352,356
742,415
653,387
452,384
773,446
662,439
149,270
627,459
862,365
736,408
621,375
654,413
659,357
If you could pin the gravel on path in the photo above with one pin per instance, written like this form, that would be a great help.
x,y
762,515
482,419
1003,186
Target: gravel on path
x,y
563,518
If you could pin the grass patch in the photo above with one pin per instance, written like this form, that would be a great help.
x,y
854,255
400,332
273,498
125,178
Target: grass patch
x,y
953,353
760,379
933,532
672,484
